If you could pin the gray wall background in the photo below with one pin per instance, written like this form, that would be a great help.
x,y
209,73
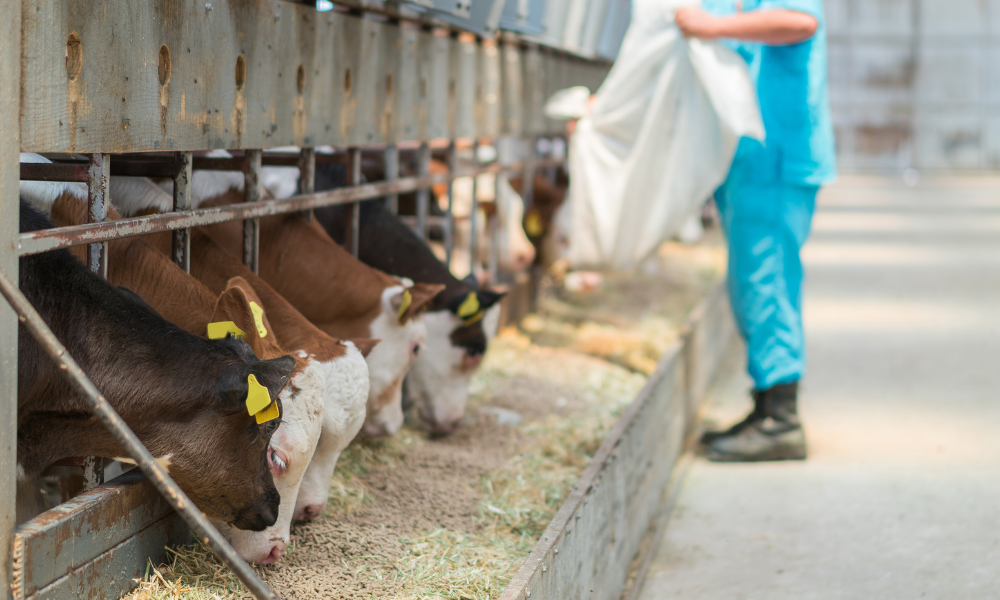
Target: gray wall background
x,y
915,83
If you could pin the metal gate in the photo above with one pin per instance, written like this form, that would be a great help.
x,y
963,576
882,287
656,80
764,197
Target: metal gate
x,y
130,87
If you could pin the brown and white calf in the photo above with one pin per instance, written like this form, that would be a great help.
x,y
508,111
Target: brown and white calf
x,y
458,329
335,291
184,396
514,251
181,299
343,362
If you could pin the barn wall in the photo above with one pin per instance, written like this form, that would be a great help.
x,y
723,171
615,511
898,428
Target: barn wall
x,y
915,83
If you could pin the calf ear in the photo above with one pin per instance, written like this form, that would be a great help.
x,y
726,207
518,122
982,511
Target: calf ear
x,y
251,294
274,373
488,298
234,305
365,345
421,295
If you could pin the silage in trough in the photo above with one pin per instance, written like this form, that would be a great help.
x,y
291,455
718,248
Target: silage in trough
x,y
454,518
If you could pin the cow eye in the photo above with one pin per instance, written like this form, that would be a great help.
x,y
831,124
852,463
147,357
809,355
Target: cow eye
x,y
416,349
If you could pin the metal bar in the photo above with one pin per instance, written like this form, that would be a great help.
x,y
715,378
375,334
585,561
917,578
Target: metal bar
x,y
306,162
45,240
10,132
251,193
391,163
55,172
474,215
182,201
98,202
528,179
449,222
124,436
423,194
354,178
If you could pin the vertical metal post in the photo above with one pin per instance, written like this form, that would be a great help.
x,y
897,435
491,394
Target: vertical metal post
x,y
182,201
423,194
449,221
307,176
474,215
391,162
528,178
98,202
10,132
354,178
502,145
251,193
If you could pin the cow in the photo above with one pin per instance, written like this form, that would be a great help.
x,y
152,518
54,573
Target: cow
x,y
343,362
181,299
184,396
458,329
338,293
514,251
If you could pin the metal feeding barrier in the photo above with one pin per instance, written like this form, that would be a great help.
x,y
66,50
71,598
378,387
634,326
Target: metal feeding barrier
x,y
135,88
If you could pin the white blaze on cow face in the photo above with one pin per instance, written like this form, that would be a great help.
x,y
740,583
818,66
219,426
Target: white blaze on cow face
x,y
389,361
347,385
438,381
290,452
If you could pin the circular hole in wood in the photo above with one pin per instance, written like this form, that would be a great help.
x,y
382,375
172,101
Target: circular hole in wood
x,y
348,82
241,72
163,65
300,79
388,84
74,56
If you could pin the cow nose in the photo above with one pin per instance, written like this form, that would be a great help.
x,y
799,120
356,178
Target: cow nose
x,y
260,516
376,430
309,512
274,555
446,428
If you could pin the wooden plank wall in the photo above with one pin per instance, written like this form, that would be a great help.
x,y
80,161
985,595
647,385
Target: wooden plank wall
x,y
129,76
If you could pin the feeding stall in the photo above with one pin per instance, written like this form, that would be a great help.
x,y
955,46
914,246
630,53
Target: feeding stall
x,y
123,87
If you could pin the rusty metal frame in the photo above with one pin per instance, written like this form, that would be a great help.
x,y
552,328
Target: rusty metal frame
x,y
368,77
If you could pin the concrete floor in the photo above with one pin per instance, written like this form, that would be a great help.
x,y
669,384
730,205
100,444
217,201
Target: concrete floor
x,y
900,497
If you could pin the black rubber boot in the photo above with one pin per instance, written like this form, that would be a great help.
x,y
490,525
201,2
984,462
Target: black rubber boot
x,y
757,414
771,432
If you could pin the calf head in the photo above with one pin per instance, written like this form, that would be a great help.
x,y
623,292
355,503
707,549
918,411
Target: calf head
x,y
402,332
438,381
515,252
219,453
294,441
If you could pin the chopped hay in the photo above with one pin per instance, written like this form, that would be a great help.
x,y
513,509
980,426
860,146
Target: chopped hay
x,y
413,518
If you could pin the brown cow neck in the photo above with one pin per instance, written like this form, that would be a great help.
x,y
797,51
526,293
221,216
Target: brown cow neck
x,y
133,264
337,292
211,265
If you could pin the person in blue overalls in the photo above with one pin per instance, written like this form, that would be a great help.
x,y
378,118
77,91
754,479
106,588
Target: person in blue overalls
x,y
766,205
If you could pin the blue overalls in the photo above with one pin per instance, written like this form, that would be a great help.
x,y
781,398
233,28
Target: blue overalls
x,y
767,201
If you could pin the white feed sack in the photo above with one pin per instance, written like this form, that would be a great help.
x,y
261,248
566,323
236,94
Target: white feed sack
x,y
659,139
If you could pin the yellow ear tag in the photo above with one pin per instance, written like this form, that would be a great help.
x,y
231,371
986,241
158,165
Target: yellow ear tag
x,y
257,396
258,318
469,307
533,223
407,300
219,329
269,413
476,317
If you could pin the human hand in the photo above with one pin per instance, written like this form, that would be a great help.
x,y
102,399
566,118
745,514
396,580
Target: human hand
x,y
695,22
